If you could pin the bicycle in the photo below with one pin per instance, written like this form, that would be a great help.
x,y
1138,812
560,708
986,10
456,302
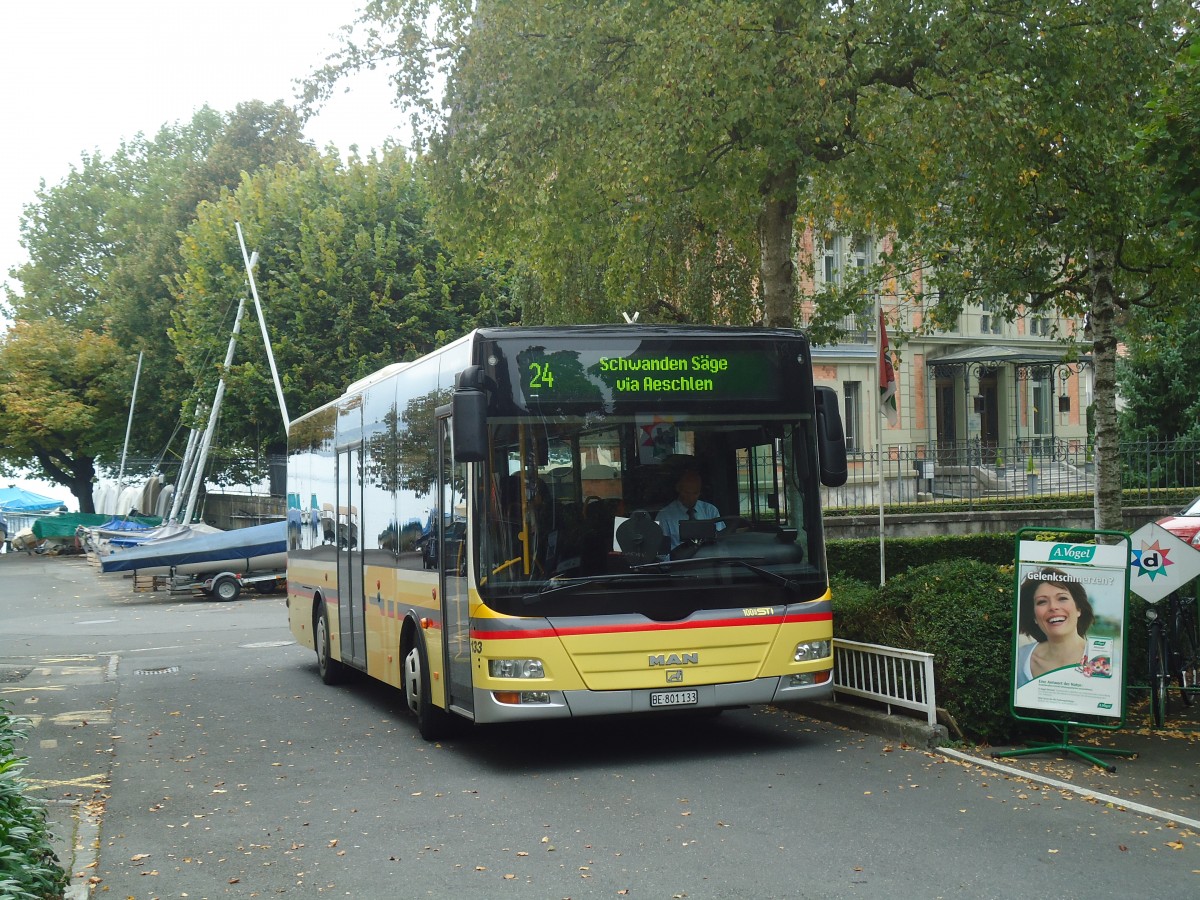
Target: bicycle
x,y
1174,652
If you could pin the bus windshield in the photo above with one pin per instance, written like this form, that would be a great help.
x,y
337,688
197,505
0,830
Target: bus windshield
x,y
661,514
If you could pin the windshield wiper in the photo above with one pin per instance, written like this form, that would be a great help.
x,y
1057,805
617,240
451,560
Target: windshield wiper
x,y
579,584
665,565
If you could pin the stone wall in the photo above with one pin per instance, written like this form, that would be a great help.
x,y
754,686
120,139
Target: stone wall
x,y
978,522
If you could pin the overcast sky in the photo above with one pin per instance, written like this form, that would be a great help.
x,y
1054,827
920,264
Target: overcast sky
x,y
83,75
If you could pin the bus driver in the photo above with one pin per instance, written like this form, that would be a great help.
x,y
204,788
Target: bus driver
x,y
686,505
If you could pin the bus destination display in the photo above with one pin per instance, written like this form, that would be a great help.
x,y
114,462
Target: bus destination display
x,y
577,376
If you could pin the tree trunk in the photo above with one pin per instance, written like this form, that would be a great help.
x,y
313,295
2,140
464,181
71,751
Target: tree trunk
x,y
75,473
82,492
777,267
1104,399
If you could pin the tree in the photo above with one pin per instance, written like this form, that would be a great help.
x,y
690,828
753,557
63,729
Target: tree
x,y
1160,381
1170,138
64,399
104,243
984,136
1028,197
660,145
351,278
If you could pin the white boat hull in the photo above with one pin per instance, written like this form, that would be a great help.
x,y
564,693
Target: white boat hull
x,y
242,550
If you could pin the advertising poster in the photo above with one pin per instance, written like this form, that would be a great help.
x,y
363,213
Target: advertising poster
x,y
1070,628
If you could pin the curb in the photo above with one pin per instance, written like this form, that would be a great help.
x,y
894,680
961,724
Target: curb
x,y
76,834
902,728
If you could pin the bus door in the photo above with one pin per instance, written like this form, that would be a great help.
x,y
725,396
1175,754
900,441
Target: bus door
x,y
351,604
452,571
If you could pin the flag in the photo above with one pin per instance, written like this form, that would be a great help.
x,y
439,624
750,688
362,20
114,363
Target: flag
x,y
887,377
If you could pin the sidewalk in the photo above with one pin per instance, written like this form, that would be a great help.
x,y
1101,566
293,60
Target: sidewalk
x,y
1161,780
69,702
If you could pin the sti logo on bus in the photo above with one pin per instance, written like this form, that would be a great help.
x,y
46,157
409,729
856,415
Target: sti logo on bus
x,y
1076,553
675,659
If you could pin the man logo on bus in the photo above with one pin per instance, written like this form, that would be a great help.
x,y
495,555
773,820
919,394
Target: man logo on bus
x,y
675,659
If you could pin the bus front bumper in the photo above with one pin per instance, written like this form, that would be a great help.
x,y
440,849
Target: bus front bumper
x,y
515,706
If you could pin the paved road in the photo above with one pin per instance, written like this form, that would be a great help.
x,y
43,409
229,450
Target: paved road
x,y
190,749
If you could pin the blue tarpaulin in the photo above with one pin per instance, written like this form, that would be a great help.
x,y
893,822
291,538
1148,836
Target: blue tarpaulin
x,y
15,499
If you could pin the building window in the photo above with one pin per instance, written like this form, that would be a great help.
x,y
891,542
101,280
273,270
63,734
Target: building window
x,y
852,392
844,257
991,321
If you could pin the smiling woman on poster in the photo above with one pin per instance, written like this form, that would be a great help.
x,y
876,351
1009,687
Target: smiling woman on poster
x,y
1055,612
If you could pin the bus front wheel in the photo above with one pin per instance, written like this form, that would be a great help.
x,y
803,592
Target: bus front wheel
x,y
432,722
329,668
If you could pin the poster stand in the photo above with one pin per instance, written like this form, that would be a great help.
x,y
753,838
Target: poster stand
x,y
1084,554
1065,746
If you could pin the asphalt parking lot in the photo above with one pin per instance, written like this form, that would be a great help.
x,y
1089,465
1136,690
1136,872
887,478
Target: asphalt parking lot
x,y
66,674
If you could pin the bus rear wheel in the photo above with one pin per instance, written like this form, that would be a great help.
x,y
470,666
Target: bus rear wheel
x,y
330,670
432,722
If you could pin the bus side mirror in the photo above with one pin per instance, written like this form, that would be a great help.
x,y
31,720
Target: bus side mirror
x,y
831,439
469,425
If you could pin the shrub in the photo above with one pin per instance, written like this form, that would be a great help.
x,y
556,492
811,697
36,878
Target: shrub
x,y
859,557
29,868
862,613
961,612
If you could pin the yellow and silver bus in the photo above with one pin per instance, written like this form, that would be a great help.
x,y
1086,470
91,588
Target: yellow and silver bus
x,y
486,528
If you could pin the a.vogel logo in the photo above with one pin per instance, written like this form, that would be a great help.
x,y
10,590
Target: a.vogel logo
x,y
1077,553
1104,706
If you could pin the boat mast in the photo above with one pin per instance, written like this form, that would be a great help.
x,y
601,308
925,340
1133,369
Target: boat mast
x,y
137,376
186,473
262,324
206,442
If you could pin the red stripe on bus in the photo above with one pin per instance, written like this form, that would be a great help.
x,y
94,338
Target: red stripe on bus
x,y
650,626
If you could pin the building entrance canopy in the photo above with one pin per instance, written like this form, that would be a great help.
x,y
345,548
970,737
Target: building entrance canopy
x,y
994,355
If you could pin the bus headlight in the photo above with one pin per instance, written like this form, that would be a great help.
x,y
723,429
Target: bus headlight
x,y
811,650
807,679
518,698
516,668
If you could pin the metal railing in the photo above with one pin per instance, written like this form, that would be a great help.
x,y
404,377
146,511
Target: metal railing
x,y
963,475
888,675
954,475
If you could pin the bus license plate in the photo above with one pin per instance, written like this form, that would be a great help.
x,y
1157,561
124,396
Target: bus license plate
x,y
672,698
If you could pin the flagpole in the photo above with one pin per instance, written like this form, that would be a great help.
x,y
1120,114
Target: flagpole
x,y
879,420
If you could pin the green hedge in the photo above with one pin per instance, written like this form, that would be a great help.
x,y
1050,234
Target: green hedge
x,y
958,610
1130,497
29,868
952,596
858,558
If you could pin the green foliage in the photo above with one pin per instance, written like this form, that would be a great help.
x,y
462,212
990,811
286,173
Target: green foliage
x,y
29,868
1170,138
860,611
657,149
351,278
858,558
961,612
63,400
1160,379
1005,192
103,242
